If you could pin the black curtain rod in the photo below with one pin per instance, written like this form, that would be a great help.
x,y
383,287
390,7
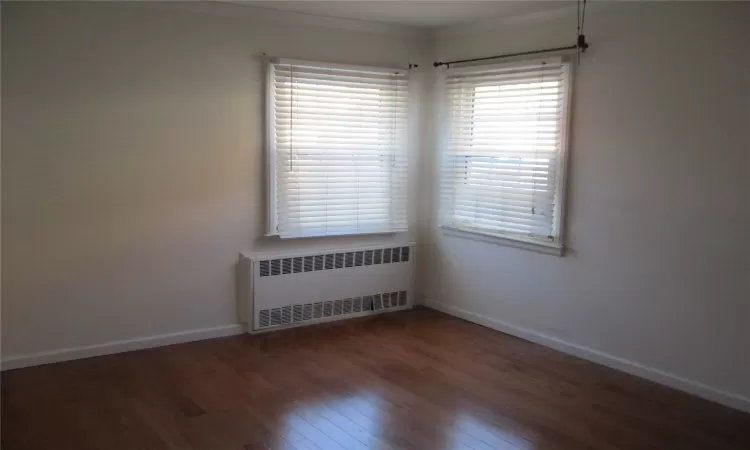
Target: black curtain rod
x,y
582,45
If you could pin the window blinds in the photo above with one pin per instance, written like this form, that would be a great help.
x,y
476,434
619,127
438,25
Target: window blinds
x,y
504,157
338,144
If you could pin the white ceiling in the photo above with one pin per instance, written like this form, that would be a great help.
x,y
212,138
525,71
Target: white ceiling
x,y
417,13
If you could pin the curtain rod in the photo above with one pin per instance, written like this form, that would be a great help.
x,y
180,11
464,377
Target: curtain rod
x,y
582,45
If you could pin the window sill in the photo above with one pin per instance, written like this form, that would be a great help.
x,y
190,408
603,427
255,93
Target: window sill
x,y
531,245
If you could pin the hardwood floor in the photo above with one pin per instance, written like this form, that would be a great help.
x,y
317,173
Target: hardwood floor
x,y
411,380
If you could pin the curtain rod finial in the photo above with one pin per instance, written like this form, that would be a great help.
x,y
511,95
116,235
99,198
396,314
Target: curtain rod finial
x,y
581,43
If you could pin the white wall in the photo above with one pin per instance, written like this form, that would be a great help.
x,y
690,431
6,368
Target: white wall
x,y
656,280
132,170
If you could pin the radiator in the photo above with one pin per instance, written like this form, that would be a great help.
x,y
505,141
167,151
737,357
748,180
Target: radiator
x,y
281,291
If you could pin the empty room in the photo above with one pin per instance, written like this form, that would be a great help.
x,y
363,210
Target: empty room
x,y
349,225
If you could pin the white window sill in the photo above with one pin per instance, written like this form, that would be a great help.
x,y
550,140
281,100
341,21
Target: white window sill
x,y
531,245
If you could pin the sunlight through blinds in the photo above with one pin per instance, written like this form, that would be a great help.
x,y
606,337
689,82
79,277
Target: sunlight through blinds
x,y
339,143
502,166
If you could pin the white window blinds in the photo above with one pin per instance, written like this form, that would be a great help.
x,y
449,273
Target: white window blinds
x,y
337,149
503,164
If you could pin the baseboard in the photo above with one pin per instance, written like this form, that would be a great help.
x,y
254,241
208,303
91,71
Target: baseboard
x,y
88,351
729,399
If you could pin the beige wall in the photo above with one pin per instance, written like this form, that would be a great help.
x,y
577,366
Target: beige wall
x,y
132,172
657,276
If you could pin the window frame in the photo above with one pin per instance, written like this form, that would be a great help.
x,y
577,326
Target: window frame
x,y
271,182
557,245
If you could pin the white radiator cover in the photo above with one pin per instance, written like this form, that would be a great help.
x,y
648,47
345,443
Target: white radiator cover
x,y
288,290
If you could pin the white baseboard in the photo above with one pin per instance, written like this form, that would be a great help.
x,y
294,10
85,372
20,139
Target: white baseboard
x,y
88,351
692,387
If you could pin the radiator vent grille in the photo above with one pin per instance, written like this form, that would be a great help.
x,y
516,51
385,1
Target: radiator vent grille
x,y
332,261
309,311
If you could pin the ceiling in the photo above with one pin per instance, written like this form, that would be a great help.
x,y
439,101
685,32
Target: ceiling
x,y
417,13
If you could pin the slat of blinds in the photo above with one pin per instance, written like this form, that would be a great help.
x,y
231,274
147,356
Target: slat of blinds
x,y
498,229
314,112
492,111
340,177
488,181
498,197
303,218
355,111
342,169
511,198
489,177
473,179
323,126
337,126
300,217
505,128
314,204
336,119
321,83
323,220
342,183
471,80
503,159
382,162
531,209
514,210
479,191
338,74
466,90
541,86
308,182
340,207
499,222
354,221
340,77
510,97
307,86
393,89
298,96
500,168
333,214
514,117
285,98
537,219
459,176
303,198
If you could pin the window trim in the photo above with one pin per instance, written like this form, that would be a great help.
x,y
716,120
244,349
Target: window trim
x,y
556,247
270,143
272,217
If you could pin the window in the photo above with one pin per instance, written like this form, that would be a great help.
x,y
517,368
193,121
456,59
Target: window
x,y
503,167
337,149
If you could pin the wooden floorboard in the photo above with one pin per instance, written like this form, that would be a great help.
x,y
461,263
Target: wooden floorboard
x,y
411,380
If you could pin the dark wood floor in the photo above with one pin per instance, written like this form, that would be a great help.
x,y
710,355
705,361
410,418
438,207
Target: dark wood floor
x,y
412,380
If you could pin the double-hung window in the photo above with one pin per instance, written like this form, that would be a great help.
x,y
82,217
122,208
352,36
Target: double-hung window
x,y
337,149
503,164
